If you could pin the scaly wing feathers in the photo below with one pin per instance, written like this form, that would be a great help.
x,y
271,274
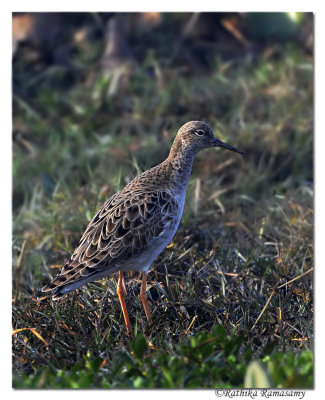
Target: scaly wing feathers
x,y
122,228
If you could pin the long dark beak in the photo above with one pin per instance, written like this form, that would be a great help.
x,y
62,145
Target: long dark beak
x,y
219,143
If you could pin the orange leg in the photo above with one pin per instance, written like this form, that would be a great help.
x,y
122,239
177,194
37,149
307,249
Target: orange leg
x,y
123,283
143,295
120,292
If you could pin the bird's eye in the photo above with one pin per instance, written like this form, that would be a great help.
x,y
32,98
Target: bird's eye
x,y
199,132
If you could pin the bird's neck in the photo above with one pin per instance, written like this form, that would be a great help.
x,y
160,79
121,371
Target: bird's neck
x,y
179,164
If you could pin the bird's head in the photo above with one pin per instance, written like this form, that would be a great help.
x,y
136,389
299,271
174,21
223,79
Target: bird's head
x,y
197,135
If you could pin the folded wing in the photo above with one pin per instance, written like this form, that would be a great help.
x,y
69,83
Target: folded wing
x,y
124,226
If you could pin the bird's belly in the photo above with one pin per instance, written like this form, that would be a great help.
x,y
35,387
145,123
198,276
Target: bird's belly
x,y
144,259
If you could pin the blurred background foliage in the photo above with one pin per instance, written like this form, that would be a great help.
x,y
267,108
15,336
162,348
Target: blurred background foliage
x,y
97,99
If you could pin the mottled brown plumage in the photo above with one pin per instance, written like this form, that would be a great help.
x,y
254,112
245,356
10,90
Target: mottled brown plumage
x,y
134,226
120,230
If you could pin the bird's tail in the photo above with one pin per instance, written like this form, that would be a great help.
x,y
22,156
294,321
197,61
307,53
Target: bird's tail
x,y
69,279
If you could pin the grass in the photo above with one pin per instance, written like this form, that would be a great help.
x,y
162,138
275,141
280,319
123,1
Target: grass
x,y
234,286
